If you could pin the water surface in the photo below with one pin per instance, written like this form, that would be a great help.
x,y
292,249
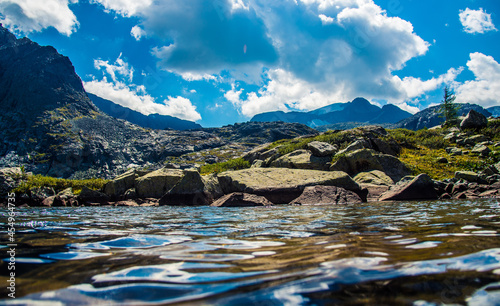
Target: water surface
x,y
409,253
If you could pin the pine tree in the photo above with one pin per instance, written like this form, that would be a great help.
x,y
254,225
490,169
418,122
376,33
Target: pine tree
x,y
448,109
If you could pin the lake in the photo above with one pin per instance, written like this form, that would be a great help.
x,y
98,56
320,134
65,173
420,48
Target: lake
x,y
383,253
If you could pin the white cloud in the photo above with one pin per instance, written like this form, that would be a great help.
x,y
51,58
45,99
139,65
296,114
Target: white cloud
x,y
485,89
125,8
122,91
120,68
326,19
26,16
137,32
476,21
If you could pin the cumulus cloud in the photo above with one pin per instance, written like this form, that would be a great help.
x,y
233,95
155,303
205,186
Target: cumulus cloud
x,y
476,21
122,91
26,16
485,88
125,8
137,32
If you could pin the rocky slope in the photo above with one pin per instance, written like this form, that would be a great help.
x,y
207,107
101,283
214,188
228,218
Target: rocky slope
x,y
359,110
50,126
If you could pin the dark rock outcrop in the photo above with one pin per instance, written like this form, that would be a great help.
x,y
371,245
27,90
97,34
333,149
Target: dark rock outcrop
x,y
326,195
419,188
474,120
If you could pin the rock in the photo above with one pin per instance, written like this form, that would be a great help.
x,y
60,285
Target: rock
x,y
49,202
473,140
481,150
474,120
240,199
453,151
38,194
117,187
10,178
321,149
469,176
374,177
130,194
282,185
191,190
391,147
442,160
94,196
257,153
301,159
321,195
129,203
157,183
258,163
419,188
67,197
357,145
366,160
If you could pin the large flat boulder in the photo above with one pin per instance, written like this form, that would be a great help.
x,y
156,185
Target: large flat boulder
x,y
157,183
365,160
419,188
474,120
240,199
282,185
326,195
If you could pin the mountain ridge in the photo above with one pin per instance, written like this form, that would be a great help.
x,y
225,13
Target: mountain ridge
x,y
359,110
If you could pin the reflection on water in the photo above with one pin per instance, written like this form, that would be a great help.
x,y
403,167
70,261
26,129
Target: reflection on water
x,y
410,253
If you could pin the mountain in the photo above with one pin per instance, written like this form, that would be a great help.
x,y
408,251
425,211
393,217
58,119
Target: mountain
x,y
153,121
359,111
494,110
431,116
49,125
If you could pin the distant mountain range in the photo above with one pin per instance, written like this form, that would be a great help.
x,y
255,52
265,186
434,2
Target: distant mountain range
x,y
153,121
494,110
430,117
359,111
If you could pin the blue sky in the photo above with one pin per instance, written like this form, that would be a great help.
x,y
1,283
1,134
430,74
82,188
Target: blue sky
x,y
218,62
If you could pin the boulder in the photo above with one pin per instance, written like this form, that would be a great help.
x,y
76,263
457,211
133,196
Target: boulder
x,y
282,185
357,145
38,194
9,179
468,176
192,190
322,195
157,183
481,150
419,188
256,153
92,196
387,147
364,160
473,140
374,177
321,149
67,197
474,120
453,151
120,184
240,199
301,159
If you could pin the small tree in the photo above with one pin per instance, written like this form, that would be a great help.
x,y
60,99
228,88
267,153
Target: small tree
x,y
448,109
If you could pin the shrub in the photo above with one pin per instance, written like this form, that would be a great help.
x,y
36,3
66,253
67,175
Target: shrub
x,y
234,164
59,184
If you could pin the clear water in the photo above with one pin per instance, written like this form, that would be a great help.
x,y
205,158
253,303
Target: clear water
x,y
410,253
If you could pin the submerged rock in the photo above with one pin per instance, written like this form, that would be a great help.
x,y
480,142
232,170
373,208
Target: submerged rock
x,y
321,195
241,199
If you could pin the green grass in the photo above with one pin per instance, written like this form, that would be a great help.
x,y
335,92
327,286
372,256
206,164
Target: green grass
x,y
59,184
234,164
